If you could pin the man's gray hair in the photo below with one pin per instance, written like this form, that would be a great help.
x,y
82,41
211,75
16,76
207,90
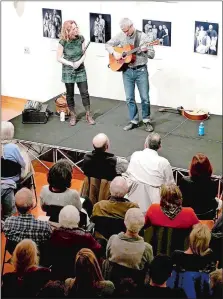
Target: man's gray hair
x,y
118,187
125,23
134,220
7,131
153,141
24,200
69,217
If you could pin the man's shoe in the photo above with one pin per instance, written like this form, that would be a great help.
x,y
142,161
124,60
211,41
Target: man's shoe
x,y
148,127
130,126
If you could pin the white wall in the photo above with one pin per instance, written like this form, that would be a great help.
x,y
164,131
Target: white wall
x,y
177,75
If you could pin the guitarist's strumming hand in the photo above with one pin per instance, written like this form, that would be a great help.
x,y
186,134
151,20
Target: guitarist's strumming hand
x,y
117,55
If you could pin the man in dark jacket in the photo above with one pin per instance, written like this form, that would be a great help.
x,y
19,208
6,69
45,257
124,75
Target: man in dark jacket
x,y
100,163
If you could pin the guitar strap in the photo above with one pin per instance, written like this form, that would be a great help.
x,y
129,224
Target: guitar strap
x,y
137,38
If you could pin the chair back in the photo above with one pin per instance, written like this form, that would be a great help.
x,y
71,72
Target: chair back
x,y
108,226
115,272
209,215
9,168
95,189
194,284
165,240
53,211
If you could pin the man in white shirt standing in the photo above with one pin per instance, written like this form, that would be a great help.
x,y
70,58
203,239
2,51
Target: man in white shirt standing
x,y
146,172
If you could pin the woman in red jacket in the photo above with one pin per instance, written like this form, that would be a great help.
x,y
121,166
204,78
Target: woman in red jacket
x,y
170,213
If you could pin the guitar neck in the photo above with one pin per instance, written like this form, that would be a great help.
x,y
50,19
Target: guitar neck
x,y
133,50
138,48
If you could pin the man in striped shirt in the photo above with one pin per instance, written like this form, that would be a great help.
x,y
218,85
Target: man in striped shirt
x,y
136,72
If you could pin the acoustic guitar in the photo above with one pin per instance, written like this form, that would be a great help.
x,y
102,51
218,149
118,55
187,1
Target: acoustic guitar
x,y
197,114
128,55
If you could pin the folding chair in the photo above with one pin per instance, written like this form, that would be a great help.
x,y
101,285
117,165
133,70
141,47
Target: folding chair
x,y
10,168
9,246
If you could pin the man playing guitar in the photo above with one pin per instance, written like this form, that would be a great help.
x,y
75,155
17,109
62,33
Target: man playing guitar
x,y
136,72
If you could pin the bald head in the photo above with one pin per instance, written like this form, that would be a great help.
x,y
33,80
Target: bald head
x,y
100,142
118,187
24,200
153,141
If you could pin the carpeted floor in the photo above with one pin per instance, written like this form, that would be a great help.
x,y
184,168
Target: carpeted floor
x,y
180,140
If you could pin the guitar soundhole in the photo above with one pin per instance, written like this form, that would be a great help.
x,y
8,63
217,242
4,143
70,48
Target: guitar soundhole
x,y
124,54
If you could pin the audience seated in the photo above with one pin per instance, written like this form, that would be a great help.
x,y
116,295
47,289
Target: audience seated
x,y
8,198
146,172
216,283
159,272
216,243
28,277
170,213
198,189
25,226
192,267
126,288
117,205
88,281
52,289
57,192
15,162
73,258
66,241
100,163
129,249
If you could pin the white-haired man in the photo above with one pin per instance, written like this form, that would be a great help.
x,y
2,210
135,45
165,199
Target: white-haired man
x,y
117,205
146,172
100,163
136,72
129,249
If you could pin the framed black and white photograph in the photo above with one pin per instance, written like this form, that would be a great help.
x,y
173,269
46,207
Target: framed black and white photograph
x,y
206,38
158,30
52,22
100,27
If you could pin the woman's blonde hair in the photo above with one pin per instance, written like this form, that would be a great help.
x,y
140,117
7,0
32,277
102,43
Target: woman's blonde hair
x,y
25,256
199,239
65,32
216,278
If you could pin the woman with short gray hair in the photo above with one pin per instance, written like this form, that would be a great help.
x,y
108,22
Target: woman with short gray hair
x,y
67,240
69,217
129,249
